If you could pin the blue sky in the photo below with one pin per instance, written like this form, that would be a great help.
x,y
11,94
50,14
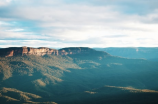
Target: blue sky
x,y
78,23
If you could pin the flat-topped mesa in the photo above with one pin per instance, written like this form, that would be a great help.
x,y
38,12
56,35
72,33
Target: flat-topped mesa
x,y
14,51
75,50
38,51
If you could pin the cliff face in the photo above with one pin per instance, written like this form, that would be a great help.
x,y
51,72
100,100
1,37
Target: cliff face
x,y
13,51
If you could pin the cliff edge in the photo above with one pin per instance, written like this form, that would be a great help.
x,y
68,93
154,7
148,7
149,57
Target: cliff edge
x,y
14,51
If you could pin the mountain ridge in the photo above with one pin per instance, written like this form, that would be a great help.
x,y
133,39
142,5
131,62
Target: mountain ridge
x,y
149,53
77,78
41,51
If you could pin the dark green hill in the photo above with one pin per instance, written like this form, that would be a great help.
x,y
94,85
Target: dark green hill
x,y
71,78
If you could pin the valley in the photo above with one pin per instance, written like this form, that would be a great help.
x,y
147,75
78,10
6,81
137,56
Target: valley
x,y
77,75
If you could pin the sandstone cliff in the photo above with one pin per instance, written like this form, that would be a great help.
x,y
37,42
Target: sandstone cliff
x,y
14,51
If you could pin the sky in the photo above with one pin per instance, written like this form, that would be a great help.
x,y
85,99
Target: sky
x,y
78,23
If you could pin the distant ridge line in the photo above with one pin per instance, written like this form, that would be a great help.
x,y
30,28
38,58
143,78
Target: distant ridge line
x,y
14,51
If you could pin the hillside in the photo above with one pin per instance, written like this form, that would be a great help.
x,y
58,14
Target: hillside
x,y
149,53
41,51
81,76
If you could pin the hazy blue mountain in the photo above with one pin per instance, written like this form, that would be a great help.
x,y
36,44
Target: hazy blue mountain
x,y
150,53
76,75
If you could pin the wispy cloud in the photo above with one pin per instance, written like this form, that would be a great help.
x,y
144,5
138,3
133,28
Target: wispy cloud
x,y
93,23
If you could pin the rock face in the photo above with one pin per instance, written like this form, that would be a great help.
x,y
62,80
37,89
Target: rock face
x,y
14,51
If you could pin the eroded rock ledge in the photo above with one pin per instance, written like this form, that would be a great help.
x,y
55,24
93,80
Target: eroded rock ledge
x,y
14,51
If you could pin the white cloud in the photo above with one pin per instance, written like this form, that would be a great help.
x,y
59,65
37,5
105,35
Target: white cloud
x,y
16,30
5,2
81,25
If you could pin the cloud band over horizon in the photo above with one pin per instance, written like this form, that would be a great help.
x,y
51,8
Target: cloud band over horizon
x,y
79,23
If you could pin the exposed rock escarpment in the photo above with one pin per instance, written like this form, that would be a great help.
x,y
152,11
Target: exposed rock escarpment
x,y
13,51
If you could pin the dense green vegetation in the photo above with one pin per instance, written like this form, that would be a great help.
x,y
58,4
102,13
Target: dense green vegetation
x,y
77,79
